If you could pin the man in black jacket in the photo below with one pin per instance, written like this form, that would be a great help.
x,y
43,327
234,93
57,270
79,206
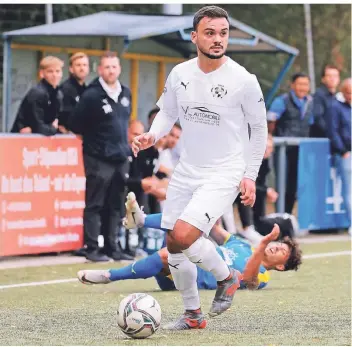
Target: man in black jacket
x,y
73,87
102,117
323,99
39,110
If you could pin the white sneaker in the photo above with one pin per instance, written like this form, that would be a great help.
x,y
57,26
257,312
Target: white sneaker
x,y
134,214
94,276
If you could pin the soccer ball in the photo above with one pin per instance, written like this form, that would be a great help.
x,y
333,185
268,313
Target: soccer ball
x,y
139,315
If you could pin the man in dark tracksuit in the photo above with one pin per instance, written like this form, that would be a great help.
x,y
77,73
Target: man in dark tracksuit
x,y
290,115
39,110
73,87
323,99
339,131
102,117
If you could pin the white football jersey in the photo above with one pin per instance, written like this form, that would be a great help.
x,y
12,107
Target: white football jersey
x,y
214,110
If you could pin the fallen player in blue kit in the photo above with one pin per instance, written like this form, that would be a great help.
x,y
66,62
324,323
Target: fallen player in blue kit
x,y
253,265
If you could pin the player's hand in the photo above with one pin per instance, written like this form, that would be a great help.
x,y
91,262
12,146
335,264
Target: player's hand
x,y
272,195
272,236
55,123
141,142
26,130
149,183
247,188
346,155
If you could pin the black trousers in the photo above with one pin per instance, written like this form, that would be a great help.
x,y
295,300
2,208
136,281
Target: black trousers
x,y
259,208
105,194
292,176
245,212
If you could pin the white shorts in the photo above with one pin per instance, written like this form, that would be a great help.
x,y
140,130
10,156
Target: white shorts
x,y
200,196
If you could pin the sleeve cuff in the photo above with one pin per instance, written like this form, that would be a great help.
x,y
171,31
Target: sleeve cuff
x,y
250,175
271,116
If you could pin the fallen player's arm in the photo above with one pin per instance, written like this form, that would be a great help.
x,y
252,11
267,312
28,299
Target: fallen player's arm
x,y
219,234
251,271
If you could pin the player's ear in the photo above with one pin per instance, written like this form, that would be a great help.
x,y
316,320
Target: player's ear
x,y
194,36
280,267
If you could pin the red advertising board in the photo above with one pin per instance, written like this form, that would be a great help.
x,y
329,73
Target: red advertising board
x,y
42,186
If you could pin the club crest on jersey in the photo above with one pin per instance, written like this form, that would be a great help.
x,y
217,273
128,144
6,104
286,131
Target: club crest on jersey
x,y
219,91
125,102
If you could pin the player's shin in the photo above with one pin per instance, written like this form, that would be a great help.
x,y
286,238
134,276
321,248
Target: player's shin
x,y
184,274
203,253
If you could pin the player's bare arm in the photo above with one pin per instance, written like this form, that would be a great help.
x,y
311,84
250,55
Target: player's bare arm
x,y
251,271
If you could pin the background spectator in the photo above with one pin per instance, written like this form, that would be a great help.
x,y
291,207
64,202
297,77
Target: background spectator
x,y
323,97
151,115
339,132
102,117
264,193
291,115
167,161
73,87
39,110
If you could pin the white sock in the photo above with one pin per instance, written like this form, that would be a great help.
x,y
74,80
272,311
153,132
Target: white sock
x,y
229,219
184,274
251,235
203,253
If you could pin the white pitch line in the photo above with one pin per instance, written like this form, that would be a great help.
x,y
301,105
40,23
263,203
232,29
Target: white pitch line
x,y
324,255
32,284
67,280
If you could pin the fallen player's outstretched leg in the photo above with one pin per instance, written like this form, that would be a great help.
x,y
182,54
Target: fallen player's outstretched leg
x,y
143,268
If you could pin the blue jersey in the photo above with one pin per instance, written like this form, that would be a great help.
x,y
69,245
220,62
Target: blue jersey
x,y
236,253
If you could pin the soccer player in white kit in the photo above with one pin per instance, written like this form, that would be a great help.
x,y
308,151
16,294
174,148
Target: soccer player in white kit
x,y
215,99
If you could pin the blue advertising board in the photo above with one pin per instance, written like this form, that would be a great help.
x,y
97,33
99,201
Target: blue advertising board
x,y
320,199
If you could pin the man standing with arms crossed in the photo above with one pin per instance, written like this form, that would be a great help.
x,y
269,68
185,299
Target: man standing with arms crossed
x,y
215,100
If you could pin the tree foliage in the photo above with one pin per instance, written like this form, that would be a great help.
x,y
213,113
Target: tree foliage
x,y
331,27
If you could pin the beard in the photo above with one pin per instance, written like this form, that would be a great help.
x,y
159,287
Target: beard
x,y
212,56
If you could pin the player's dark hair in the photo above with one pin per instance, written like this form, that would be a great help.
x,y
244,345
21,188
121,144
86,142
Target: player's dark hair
x,y
210,12
153,111
327,67
299,75
295,258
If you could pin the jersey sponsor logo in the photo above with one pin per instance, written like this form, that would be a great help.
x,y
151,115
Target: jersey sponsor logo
x,y
219,91
106,107
261,100
184,85
201,115
77,98
229,255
